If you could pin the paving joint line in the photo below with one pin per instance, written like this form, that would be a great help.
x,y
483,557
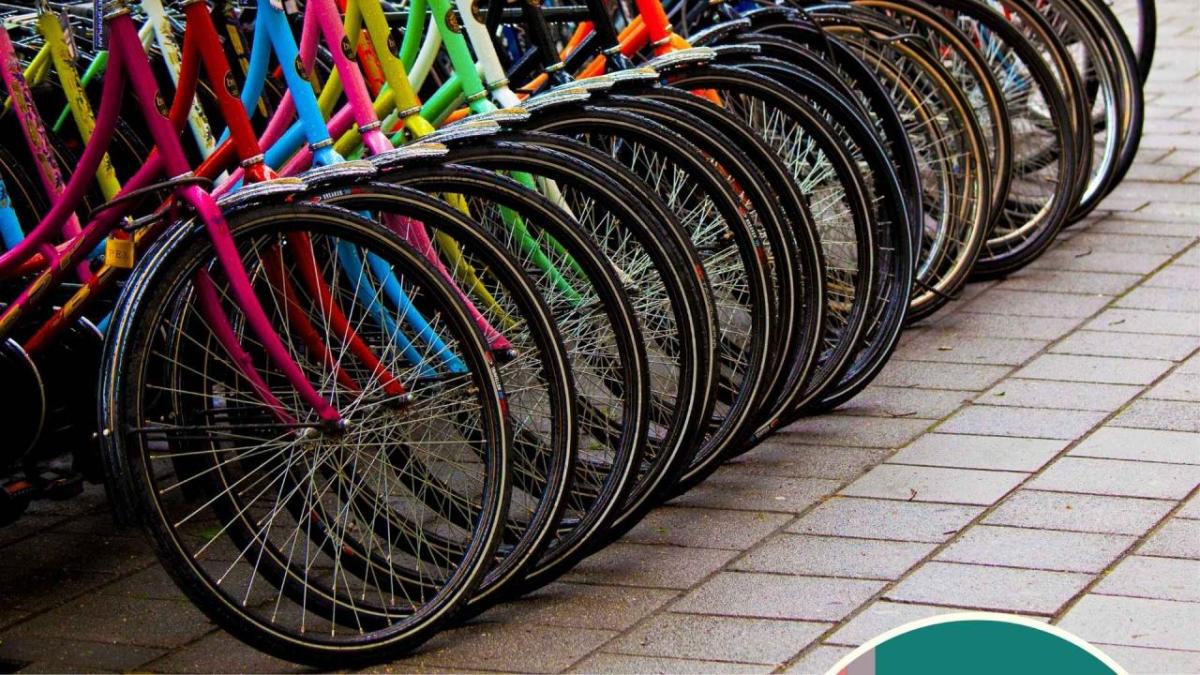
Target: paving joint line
x,y
988,510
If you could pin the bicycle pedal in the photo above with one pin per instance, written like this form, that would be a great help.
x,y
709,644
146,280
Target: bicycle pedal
x,y
59,486
14,499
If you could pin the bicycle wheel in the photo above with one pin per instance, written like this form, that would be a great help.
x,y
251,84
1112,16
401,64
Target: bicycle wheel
x,y
248,496
856,202
595,313
956,175
964,62
1123,86
779,221
539,392
1109,93
808,312
718,223
1139,21
672,304
24,419
836,198
24,194
1047,162
793,38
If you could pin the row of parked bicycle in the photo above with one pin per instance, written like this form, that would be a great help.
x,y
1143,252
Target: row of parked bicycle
x,y
373,315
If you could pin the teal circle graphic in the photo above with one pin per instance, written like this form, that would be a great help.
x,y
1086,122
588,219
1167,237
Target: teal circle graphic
x,y
978,644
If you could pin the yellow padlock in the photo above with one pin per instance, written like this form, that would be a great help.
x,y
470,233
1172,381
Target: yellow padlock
x,y
119,253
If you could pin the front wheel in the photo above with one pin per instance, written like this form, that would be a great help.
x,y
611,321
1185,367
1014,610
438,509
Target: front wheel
x,y
267,518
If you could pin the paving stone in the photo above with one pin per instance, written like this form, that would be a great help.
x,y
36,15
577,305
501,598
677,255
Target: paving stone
x,y
1036,549
819,661
1078,512
26,526
979,452
1072,368
1177,387
152,583
1028,303
1052,394
987,420
135,621
1190,510
1145,660
939,347
885,519
1191,257
1145,226
1119,204
780,456
1152,322
934,484
708,528
1155,414
634,665
1158,172
1178,158
1162,244
832,557
777,596
1164,299
1151,445
42,587
1095,283
1149,577
581,606
718,638
97,524
881,616
74,551
1175,276
1100,261
58,654
1101,343
11,616
927,404
642,565
92,500
219,652
860,432
1179,538
990,588
1118,477
736,488
511,647
1138,622
954,376
994,325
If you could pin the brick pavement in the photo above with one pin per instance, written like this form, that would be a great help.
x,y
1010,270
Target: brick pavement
x,y
1033,449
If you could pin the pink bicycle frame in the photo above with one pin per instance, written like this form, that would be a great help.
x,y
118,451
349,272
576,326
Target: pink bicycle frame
x,y
129,63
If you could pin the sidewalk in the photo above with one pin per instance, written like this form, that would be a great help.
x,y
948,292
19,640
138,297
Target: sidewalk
x,y
1033,449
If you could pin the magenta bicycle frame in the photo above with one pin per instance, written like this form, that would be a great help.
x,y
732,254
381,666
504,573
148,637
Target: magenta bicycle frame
x,y
128,64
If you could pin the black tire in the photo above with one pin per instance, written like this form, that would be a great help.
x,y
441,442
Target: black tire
x,y
716,220
808,314
1037,207
880,216
683,319
945,133
539,390
139,402
601,298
